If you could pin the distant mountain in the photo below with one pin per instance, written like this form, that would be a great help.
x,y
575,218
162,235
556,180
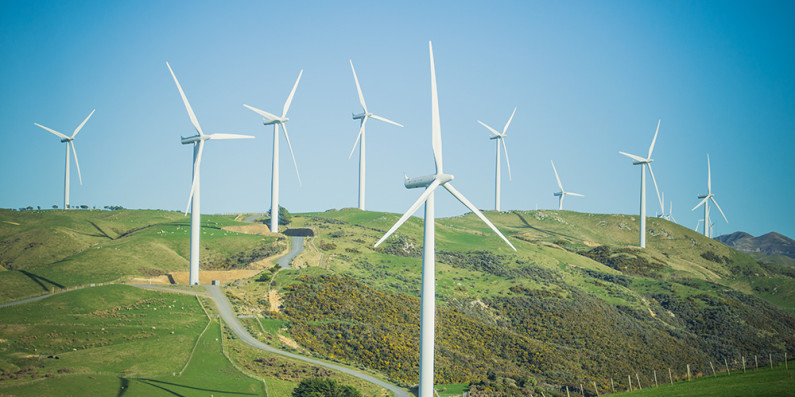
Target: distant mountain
x,y
768,244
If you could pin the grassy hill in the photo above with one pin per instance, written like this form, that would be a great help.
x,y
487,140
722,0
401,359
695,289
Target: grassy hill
x,y
125,341
577,303
45,250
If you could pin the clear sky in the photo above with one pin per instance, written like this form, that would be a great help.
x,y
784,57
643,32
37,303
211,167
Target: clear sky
x,y
588,78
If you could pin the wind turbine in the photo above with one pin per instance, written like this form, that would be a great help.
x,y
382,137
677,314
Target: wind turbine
x,y
499,138
669,216
69,140
267,119
362,117
562,193
706,199
644,162
430,183
194,197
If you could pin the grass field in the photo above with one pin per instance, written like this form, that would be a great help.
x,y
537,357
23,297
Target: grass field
x,y
131,342
759,383
45,250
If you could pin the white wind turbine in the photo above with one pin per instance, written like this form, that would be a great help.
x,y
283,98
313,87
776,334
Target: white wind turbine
x,y
500,139
669,216
362,117
194,197
430,183
644,162
277,121
69,140
706,199
562,193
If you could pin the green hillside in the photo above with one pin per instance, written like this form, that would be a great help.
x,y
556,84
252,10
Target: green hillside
x,y
578,303
45,250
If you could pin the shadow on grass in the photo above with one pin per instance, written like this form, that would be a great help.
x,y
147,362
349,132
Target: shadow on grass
x,y
541,230
38,279
168,386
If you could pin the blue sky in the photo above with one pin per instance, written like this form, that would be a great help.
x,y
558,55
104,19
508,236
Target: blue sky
x,y
588,79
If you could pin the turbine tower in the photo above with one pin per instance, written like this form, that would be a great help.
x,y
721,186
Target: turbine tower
x,y
562,193
194,197
430,183
500,139
69,140
643,162
706,199
362,117
267,119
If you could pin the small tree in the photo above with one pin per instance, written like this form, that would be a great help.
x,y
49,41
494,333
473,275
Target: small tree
x,y
323,387
284,216
55,207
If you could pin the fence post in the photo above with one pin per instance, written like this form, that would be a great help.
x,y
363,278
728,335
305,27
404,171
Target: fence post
x,y
727,367
582,392
638,378
786,365
671,378
567,392
612,386
713,368
771,360
688,372
629,378
597,390
743,364
756,358
655,379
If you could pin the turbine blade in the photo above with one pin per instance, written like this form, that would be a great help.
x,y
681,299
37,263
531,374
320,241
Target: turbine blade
x,y
560,185
58,134
651,148
196,166
229,136
377,117
82,124
358,88
634,157
361,131
414,207
575,194
284,126
80,177
507,162
477,212
721,211
504,129
290,98
662,209
192,116
490,129
436,128
709,177
699,204
263,113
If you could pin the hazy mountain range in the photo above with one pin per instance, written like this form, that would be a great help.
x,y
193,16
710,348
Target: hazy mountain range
x,y
769,244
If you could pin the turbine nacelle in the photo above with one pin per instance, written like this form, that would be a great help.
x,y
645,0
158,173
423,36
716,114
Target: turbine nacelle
x,y
191,139
425,181
361,115
646,161
280,120
558,194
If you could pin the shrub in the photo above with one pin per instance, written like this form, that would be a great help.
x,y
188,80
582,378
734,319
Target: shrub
x,y
324,387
